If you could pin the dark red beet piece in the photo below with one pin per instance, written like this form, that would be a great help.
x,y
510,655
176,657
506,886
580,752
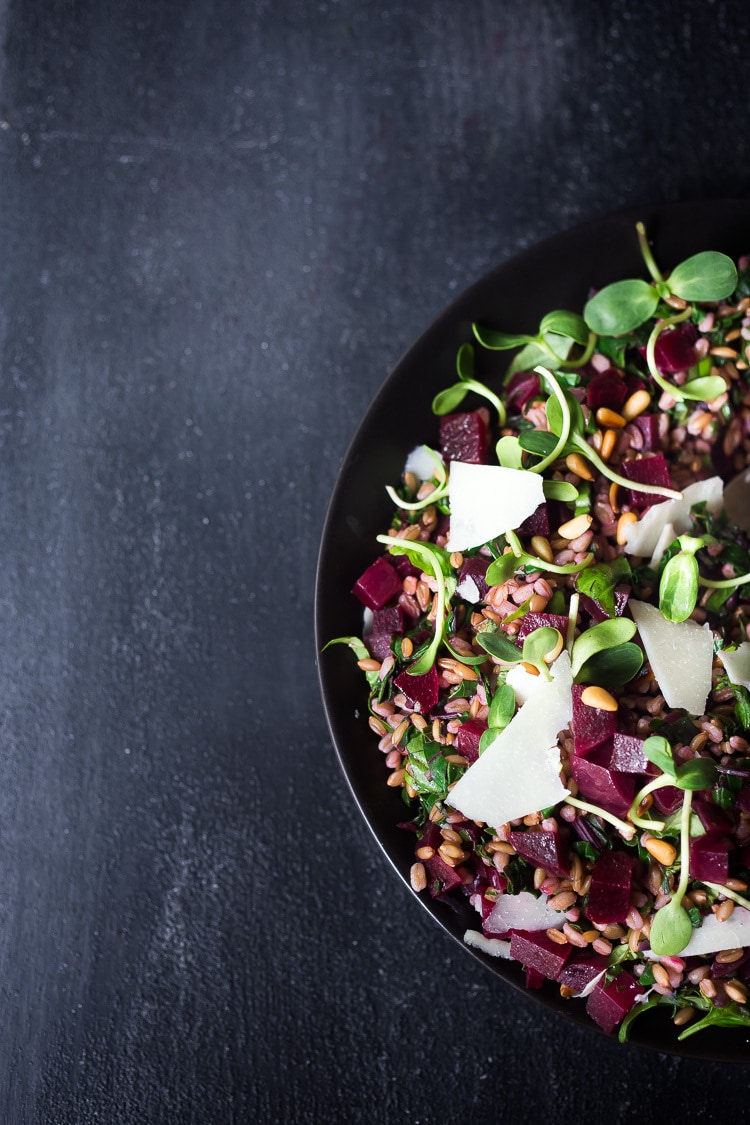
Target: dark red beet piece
x,y
404,567
627,754
591,726
468,738
609,892
649,470
463,437
421,691
609,1004
675,348
543,849
607,388
648,424
712,817
536,951
534,979
524,386
537,523
379,584
440,877
476,569
709,859
581,968
389,620
379,645
599,783
596,610
668,799
531,621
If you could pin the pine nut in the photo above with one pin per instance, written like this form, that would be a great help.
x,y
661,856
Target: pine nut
x,y
575,527
683,1016
662,851
723,353
577,465
597,697
636,404
609,418
556,649
614,497
661,976
624,522
557,936
541,548
609,441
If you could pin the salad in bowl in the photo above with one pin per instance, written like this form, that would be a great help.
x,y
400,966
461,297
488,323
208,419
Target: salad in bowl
x,y
555,640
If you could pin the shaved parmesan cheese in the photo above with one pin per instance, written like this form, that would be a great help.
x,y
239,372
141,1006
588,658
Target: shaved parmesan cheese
x,y
641,538
737,663
494,946
488,500
668,535
680,654
524,684
713,935
468,590
519,771
421,462
523,911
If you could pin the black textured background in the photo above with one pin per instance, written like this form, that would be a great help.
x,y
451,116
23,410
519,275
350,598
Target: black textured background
x,y
220,225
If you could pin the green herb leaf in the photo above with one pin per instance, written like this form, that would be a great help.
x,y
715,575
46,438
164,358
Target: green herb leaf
x,y
708,276
732,1015
465,362
537,441
358,647
698,773
445,402
671,929
502,707
509,452
600,580
612,667
498,645
704,389
496,341
527,359
560,490
605,635
621,307
678,586
564,323
502,569
658,751
537,645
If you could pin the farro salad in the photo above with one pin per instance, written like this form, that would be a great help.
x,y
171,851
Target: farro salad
x,y
556,641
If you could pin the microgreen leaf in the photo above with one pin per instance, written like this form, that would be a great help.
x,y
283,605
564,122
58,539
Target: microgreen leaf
x,y
704,389
465,362
509,452
527,359
358,647
658,751
537,441
621,307
560,490
612,666
499,646
502,707
496,341
678,586
708,276
671,929
433,560
605,635
539,644
564,323
446,401
502,569
698,773
600,580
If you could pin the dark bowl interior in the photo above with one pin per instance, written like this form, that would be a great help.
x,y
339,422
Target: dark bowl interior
x,y
556,273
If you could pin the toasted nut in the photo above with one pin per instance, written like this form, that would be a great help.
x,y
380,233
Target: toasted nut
x,y
597,697
683,1016
530,668
624,522
636,404
723,353
662,851
575,527
607,417
556,649
541,548
577,465
614,497
609,441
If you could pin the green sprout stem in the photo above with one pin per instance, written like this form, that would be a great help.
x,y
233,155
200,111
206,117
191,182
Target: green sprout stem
x,y
541,564
636,486
725,583
646,254
565,429
652,825
427,556
656,332
626,830
728,893
687,804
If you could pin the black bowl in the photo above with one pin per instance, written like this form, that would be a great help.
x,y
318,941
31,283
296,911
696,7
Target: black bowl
x,y
556,273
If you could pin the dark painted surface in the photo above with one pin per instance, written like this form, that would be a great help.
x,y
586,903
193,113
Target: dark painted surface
x,y
221,225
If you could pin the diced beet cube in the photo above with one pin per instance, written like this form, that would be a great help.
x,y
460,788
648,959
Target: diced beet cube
x,y
468,738
404,567
430,836
440,877
537,523
743,800
608,1004
464,437
534,979
591,725
675,348
668,799
648,424
531,621
475,568
536,951
607,388
389,620
596,610
709,859
522,388
543,849
599,783
609,891
379,584
581,968
712,817
379,645
649,470
421,691
627,754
